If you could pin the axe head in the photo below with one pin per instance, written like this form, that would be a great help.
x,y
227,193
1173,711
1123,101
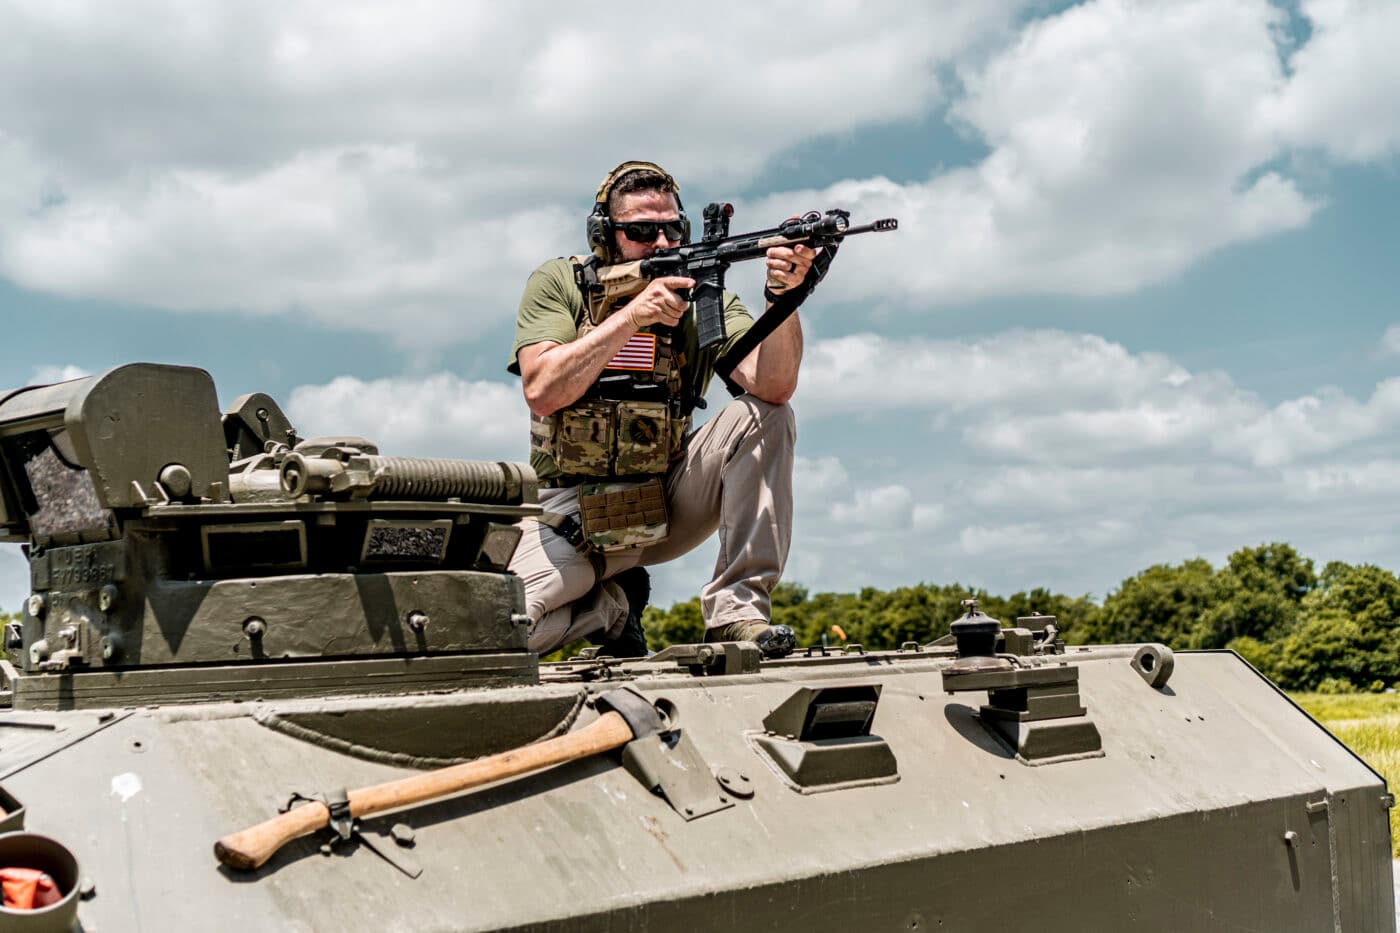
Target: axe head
x,y
639,713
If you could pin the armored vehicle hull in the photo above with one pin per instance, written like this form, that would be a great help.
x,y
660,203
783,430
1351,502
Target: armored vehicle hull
x,y
1214,805
1006,783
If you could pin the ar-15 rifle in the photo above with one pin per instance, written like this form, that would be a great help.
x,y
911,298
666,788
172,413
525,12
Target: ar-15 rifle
x,y
707,262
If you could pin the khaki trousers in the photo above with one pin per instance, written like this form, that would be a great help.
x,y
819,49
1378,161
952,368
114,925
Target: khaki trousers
x,y
735,476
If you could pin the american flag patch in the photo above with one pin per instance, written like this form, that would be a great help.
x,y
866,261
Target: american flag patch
x,y
639,353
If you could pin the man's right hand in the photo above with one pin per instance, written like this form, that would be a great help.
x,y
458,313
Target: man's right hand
x,y
658,303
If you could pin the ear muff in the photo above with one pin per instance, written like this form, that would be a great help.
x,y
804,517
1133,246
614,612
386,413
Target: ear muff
x,y
599,228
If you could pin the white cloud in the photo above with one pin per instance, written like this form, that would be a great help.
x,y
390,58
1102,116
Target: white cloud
x,y
889,506
1128,140
1343,481
1320,423
865,372
1390,340
1061,398
1034,538
401,172
1065,460
440,415
14,578
45,375
477,82
1346,84
1083,499
1082,529
356,237
818,480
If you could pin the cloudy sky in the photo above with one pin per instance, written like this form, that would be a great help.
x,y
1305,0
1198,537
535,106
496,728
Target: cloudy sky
x,y
1141,305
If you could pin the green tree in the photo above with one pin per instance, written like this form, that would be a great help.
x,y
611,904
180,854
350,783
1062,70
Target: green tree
x,y
1263,655
1074,615
1261,590
879,619
1337,629
6,617
1328,646
1349,631
682,624
787,595
1364,590
1163,603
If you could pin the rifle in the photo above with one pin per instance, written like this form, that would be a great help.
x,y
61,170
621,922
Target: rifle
x,y
707,262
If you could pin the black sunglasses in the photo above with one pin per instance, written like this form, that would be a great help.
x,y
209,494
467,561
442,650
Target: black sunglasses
x,y
644,231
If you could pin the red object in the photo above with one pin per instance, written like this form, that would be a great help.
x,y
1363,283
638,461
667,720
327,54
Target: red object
x,y
28,889
639,352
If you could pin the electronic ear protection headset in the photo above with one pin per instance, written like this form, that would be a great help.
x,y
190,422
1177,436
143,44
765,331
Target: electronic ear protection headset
x,y
600,227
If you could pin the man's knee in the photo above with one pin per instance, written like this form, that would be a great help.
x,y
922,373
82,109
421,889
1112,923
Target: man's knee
x,y
767,417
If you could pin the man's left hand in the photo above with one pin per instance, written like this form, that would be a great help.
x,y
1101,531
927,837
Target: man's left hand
x,y
788,266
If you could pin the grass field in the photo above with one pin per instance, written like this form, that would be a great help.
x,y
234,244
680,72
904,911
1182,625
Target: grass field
x,y
1370,724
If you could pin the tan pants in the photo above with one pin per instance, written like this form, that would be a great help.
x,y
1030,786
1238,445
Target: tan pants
x,y
736,476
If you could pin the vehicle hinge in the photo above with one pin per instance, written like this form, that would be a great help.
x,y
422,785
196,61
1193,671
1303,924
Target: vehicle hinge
x,y
738,657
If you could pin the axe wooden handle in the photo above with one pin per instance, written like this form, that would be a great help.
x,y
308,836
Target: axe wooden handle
x,y
252,847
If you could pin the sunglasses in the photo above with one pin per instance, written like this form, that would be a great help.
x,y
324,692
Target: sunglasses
x,y
645,231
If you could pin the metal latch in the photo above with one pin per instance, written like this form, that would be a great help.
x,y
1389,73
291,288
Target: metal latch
x,y
347,829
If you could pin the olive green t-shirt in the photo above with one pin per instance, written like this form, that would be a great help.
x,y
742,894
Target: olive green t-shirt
x,y
552,309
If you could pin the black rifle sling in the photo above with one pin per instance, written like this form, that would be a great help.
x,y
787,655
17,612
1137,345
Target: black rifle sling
x,y
781,309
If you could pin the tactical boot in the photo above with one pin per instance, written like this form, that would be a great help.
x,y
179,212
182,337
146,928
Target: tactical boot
x,y
631,642
775,641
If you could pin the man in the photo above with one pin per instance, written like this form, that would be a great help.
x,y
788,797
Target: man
x,y
610,393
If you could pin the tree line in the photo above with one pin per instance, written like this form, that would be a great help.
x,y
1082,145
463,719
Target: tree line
x,y
1337,630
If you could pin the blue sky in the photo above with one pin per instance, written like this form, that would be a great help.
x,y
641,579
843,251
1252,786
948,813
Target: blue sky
x,y
1141,306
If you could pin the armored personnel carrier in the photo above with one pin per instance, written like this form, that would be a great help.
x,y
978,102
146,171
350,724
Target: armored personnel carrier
x,y
268,683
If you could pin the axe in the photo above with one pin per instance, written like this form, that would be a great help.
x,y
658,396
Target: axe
x,y
627,716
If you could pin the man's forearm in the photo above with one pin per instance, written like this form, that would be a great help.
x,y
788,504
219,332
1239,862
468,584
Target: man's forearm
x,y
562,372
